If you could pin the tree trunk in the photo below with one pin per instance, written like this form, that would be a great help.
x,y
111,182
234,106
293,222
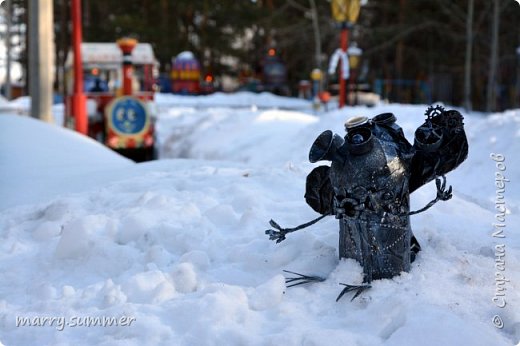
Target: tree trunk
x,y
492,81
8,51
317,38
399,53
62,48
469,50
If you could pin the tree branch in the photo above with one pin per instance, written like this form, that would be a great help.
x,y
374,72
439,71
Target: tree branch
x,y
451,9
399,36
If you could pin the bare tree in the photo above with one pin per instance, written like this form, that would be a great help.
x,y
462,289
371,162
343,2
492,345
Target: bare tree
x,y
492,82
8,11
316,29
469,51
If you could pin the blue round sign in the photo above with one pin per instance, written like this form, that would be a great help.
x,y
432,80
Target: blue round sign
x,y
128,116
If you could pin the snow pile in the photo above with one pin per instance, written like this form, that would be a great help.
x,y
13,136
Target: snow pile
x,y
38,160
22,105
177,246
241,99
12,107
224,134
4,104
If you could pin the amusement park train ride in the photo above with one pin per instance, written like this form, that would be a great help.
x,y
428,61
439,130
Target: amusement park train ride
x,y
119,87
119,83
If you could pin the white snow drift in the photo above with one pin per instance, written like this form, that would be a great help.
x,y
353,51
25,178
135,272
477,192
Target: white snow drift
x,y
179,244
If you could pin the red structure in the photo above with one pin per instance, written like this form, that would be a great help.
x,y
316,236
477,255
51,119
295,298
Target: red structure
x,y
185,74
342,82
127,45
345,13
78,98
118,86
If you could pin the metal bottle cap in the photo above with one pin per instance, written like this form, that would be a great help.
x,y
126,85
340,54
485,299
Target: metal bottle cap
x,y
355,122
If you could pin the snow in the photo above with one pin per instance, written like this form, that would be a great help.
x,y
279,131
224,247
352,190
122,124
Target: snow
x,y
39,161
178,244
22,105
241,99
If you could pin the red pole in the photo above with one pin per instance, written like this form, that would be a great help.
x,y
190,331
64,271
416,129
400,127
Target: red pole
x,y
127,45
148,82
342,87
79,100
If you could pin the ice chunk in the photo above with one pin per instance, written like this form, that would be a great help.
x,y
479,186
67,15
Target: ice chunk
x,y
268,294
75,239
185,278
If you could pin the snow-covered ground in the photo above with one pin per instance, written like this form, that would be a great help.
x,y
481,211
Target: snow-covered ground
x,y
239,99
179,244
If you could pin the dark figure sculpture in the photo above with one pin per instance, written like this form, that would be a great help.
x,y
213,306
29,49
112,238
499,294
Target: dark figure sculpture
x,y
373,171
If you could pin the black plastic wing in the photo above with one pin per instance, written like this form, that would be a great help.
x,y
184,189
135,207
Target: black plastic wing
x,y
440,146
318,190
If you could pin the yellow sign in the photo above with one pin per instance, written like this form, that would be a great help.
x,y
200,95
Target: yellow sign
x,y
345,10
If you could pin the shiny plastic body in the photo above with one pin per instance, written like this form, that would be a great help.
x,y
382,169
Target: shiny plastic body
x,y
367,186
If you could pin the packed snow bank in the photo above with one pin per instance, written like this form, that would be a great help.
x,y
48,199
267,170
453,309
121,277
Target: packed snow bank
x,y
22,105
240,99
181,249
4,104
39,161
276,137
178,246
258,137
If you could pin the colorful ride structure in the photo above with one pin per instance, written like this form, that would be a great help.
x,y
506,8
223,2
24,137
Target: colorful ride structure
x,y
119,84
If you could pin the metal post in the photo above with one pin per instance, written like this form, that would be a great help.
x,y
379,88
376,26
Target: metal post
x,y
342,86
79,100
40,59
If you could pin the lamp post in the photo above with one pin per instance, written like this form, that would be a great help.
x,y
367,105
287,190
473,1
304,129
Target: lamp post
x,y
354,56
316,77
